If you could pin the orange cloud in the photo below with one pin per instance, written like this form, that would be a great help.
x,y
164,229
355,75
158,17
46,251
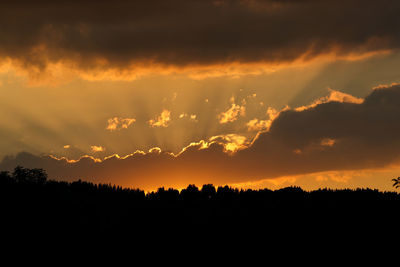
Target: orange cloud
x,y
65,70
258,125
332,136
191,117
263,125
56,35
97,148
232,113
328,142
334,96
162,120
231,142
118,123
385,86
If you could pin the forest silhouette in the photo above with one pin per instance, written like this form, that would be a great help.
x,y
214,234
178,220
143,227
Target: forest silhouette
x,y
33,203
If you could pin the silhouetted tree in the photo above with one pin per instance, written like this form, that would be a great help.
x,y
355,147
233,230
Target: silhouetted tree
x,y
21,174
190,194
4,175
5,179
208,191
396,183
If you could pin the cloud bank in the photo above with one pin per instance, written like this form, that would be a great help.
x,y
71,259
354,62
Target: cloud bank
x,y
102,34
329,136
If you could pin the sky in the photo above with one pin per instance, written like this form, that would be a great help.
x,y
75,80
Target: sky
x,y
248,93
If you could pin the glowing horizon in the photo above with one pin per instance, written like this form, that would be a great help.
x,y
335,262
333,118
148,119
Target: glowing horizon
x,y
125,93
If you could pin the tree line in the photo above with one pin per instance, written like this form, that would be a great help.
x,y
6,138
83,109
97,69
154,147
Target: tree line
x,y
29,200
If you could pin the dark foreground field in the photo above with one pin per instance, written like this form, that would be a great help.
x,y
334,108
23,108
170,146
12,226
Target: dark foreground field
x,y
31,204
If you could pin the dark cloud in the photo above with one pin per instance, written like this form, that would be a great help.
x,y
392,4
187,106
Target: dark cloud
x,y
184,32
329,136
362,136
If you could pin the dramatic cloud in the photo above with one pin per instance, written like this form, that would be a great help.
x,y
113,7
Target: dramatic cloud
x,y
106,34
330,136
333,135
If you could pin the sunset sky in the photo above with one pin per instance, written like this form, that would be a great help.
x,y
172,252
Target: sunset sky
x,y
249,93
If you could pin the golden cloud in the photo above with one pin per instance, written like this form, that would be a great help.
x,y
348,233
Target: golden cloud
x,y
231,142
118,123
191,117
162,120
258,125
232,113
332,136
263,125
334,96
97,148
